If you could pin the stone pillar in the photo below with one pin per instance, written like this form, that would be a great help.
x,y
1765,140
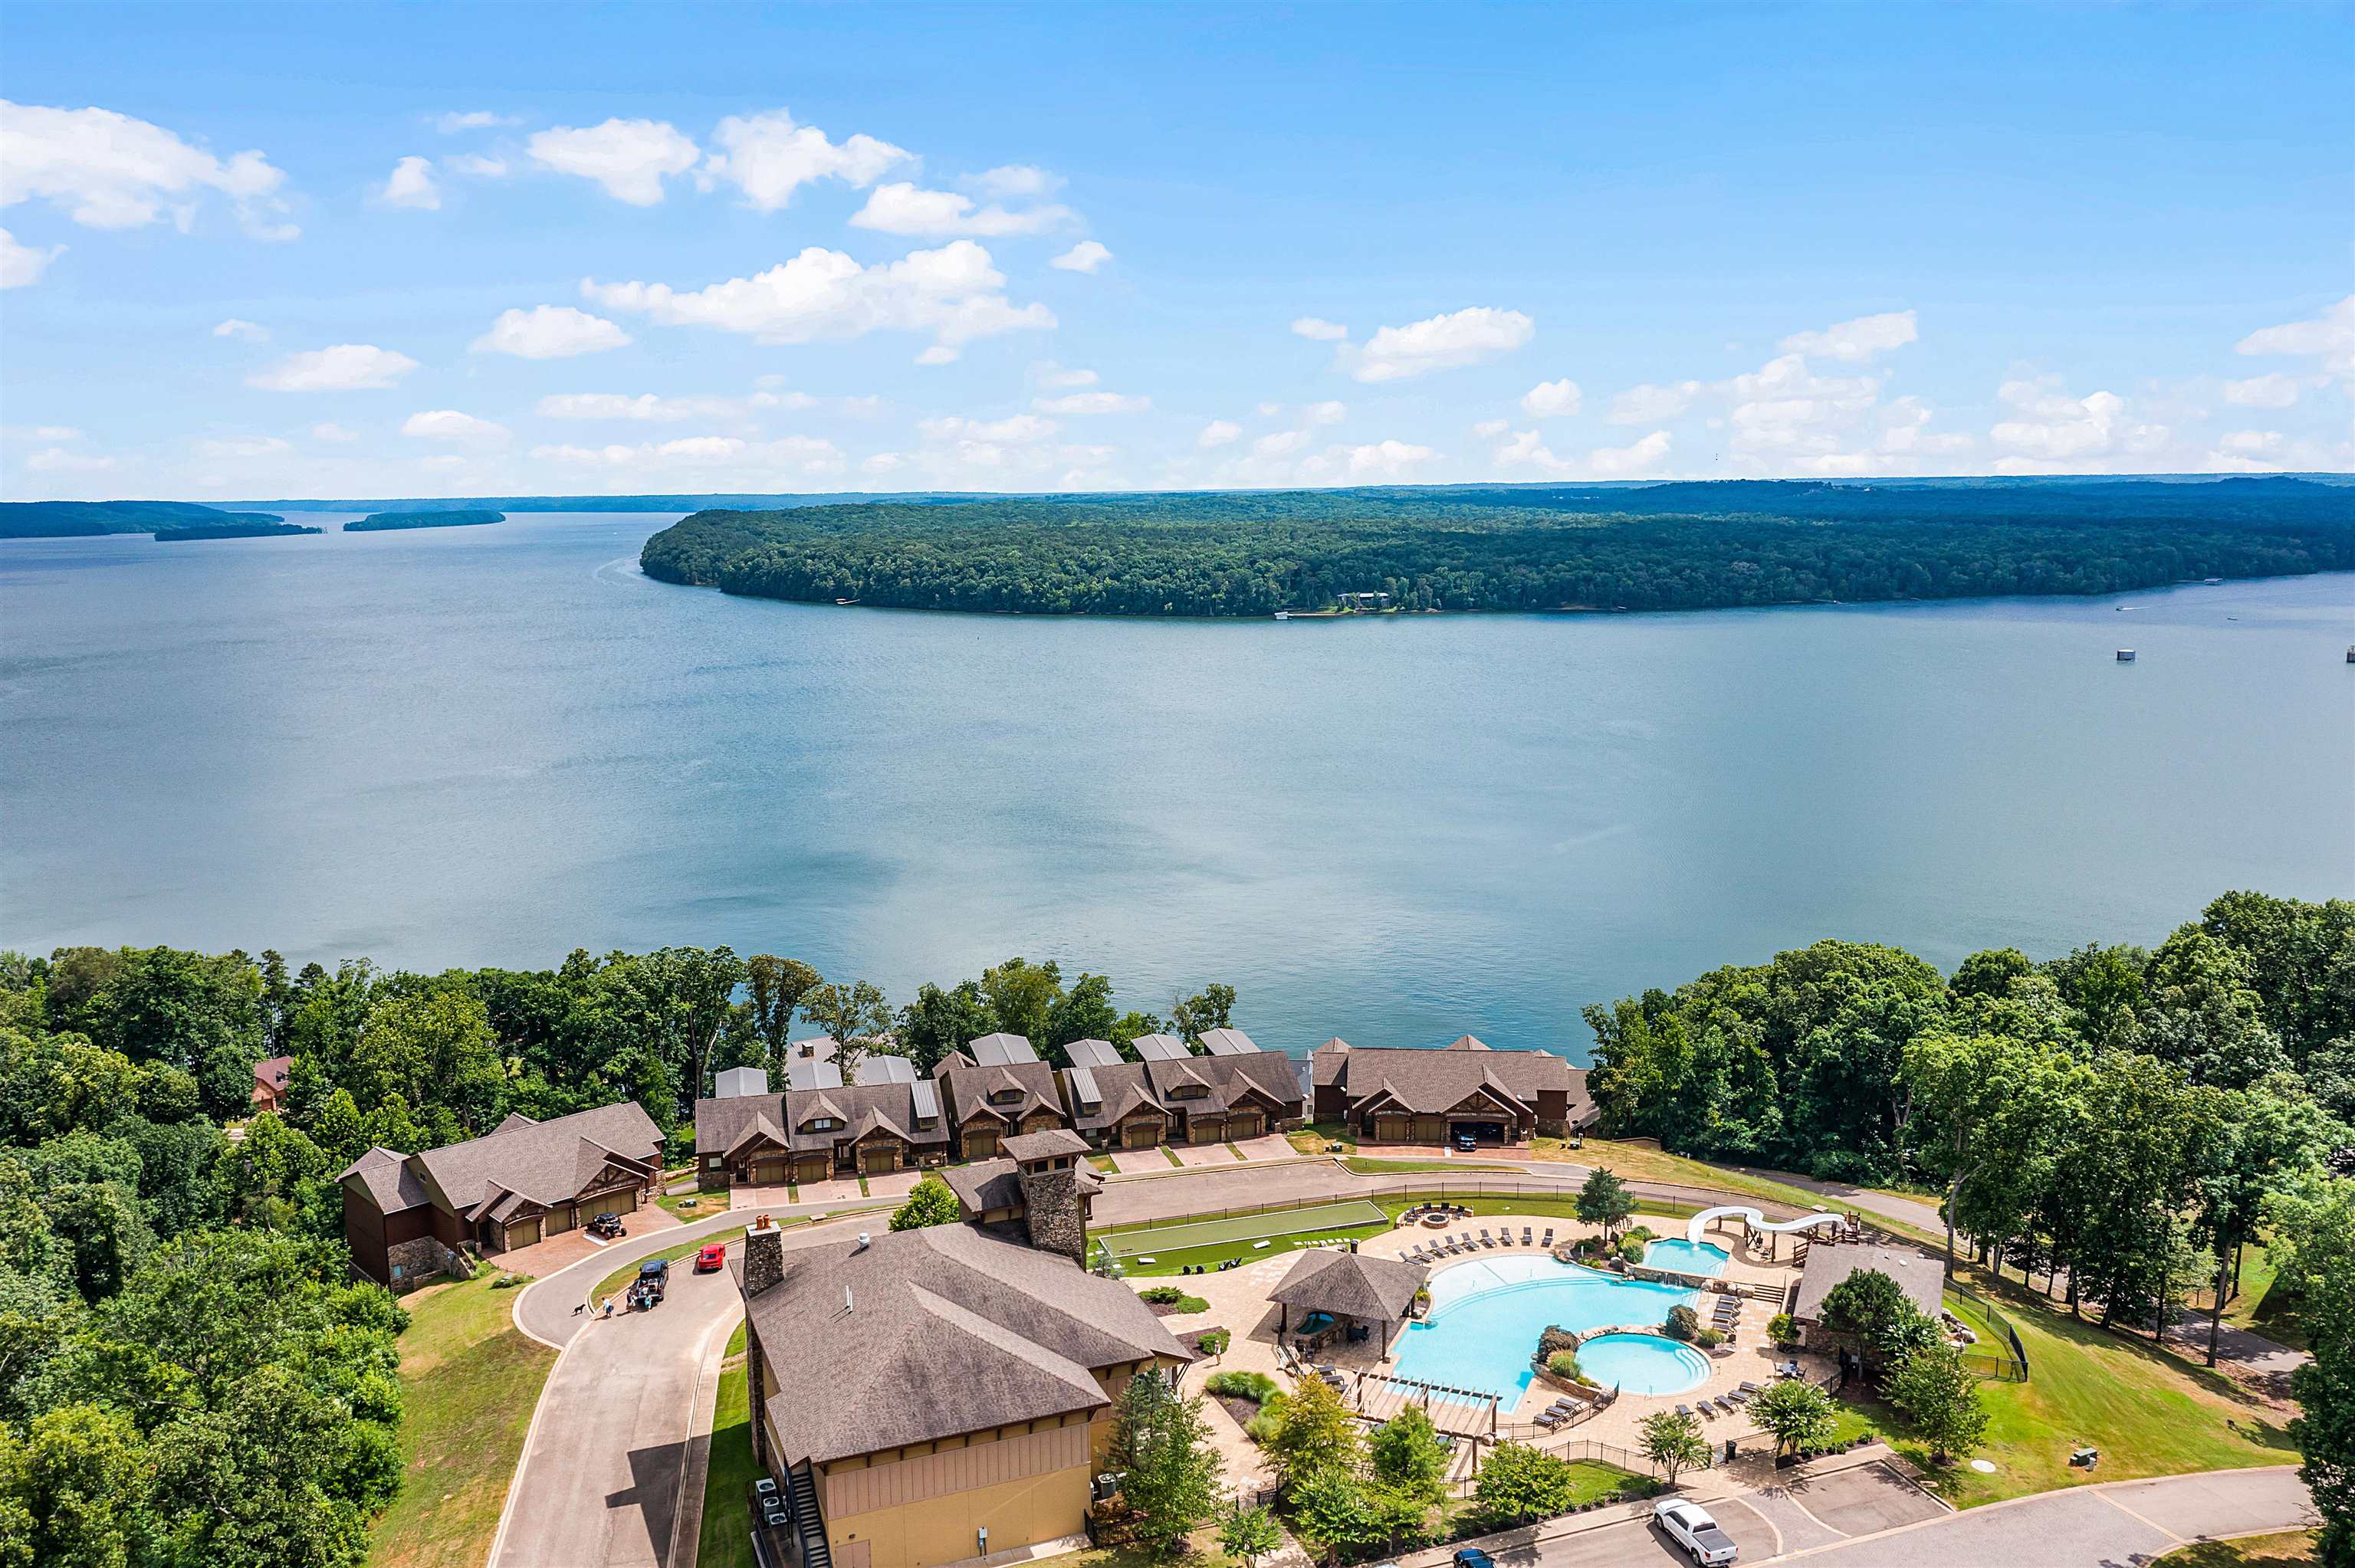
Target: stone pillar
x,y
1052,1199
764,1260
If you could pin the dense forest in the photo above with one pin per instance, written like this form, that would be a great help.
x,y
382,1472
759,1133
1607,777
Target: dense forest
x,y
1670,547
83,519
463,517
258,528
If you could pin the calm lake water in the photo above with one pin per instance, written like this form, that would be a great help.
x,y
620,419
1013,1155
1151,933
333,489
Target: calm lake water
x,y
494,745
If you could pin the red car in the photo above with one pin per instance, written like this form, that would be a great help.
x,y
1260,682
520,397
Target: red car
x,y
711,1258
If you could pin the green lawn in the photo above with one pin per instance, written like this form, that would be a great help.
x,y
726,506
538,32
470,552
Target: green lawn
x,y
2149,1413
727,1538
696,1205
1595,1480
1210,1258
616,1282
1102,1163
1171,1155
469,1382
1317,1138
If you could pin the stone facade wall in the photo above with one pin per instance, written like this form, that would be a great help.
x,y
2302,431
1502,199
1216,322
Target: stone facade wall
x,y
421,1261
1056,1221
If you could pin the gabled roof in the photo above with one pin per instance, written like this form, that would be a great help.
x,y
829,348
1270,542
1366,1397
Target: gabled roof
x,y
1330,1061
385,1176
1229,1080
271,1071
720,1124
1432,1080
1029,1146
1920,1276
970,1084
1227,1043
1350,1284
1093,1053
997,1050
758,1129
1468,1043
1159,1047
949,1331
547,1162
1431,1094
1102,1096
987,1184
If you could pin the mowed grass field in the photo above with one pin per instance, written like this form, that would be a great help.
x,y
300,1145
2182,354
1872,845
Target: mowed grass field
x,y
727,1537
1242,1230
469,1383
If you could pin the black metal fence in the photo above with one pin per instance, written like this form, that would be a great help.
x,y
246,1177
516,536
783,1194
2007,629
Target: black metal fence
x,y
2006,1359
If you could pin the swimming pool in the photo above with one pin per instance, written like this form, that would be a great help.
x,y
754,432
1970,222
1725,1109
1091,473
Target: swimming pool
x,y
1642,1363
1485,1317
1686,1257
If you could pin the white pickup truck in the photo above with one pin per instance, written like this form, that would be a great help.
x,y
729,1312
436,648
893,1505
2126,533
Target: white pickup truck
x,y
1690,1526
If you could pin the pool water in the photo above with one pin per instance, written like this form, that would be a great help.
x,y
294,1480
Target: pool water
x,y
1485,1317
1686,1257
1642,1363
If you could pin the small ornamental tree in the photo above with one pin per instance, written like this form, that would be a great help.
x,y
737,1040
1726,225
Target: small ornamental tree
x,y
1673,1441
1407,1455
1796,1412
1518,1484
929,1203
1330,1509
1683,1323
1941,1397
1313,1432
1171,1467
1249,1534
1605,1200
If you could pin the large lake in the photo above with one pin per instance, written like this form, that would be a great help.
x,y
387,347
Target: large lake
x,y
496,745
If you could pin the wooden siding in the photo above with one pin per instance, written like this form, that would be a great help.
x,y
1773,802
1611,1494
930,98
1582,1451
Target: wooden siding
x,y
895,1483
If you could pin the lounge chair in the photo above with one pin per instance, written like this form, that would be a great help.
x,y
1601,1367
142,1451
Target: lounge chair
x,y
1549,1237
1527,1236
1685,1410
1748,1387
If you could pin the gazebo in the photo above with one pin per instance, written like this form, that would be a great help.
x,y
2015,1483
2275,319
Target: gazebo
x,y
1330,1288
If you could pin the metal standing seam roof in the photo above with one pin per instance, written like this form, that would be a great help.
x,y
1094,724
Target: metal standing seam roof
x,y
882,1067
1228,1042
812,1074
1083,1087
924,1098
1000,1050
1160,1047
1093,1053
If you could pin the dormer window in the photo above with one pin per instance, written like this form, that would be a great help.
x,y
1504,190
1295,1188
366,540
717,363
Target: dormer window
x,y
821,1124
1190,1091
1005,1097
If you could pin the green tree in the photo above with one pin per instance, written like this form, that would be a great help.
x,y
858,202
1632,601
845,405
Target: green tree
x,y
1406,1455
1981,1104
1023,996
1248,1534
339,1132
1941,1397
1872,1308
1170,1466
2314,1228
2103,989
1212,1007
774,988
1604,1199
939,1021
1794,1412
87,1190
74,1492
929,1203
1082,1012
262,1175
1314,1431
1673,1441
432,1048
1331,1510
1518,1485
854,1013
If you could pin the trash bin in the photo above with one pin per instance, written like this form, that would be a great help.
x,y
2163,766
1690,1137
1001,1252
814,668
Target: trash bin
x,y
1728,1450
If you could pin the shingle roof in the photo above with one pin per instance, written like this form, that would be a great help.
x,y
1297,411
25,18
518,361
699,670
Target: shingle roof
x,y
1227,1078
720,1124
1045,1145
1120,1090
271,1070
1330,1061
1350,1284
950,1330
987,1184
546,1161
1434,1080
1919,1276
384,1174
970,1085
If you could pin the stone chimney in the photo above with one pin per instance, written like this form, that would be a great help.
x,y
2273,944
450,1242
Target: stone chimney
x,y
1051,1200
764,1260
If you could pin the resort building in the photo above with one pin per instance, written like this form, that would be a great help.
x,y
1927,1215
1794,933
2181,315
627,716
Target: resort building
x,y
1920,1276
993,1088
937,1396
1175,1096
270,1082
1037,1189
1460,1090
410,1216
886,1119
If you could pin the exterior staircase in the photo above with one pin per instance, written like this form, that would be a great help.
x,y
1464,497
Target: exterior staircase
x,y
808,1523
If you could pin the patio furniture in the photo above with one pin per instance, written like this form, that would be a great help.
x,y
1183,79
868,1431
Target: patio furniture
x,y
1549,1237
1526,1233
1685,1411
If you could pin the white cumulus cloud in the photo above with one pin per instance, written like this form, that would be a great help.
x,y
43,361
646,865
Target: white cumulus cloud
x,y
346,367
1051,374
1440,343
2273,390
449,425
1855,341
469,120
1010,182
1626,462
954,294
1385,460
1318,330
1085,257
549,332
244,446
902,208
770,156
244,331
57,460
477,164
329,430
22,265
1652,402
411,185
2049,431
1219,433
106,170
630,158
1552,399
1092,403
2329,337
646,407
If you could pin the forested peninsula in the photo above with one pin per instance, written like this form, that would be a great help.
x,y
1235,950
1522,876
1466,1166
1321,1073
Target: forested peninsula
x,y
235,528
87,519
385,522
1665,546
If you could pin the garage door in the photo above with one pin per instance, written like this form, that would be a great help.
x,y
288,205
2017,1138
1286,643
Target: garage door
x,y
806,1168
1206,1132
768,1172
1393,1129
1485,1131
556,1219
622,1202
1139,1135
1248,1126
878,1159
523,1232
980,1145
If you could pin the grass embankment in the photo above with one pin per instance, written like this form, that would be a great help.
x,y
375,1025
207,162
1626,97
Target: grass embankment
x,y
1319,1137
2150,1411
696,1205
1359,1165
1103,1162
616,1282
469,1382
2286,1550
727,1538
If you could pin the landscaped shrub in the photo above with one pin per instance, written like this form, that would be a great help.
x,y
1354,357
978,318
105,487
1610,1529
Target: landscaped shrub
x,y
1564,1364
1782,1329
1708,1338
1683,1323
1638,1232
1632,1248
1259,1428
1214,1342
1174,1297
1257,1387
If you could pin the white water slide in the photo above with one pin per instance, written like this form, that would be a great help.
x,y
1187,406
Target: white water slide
x,y
1756,1221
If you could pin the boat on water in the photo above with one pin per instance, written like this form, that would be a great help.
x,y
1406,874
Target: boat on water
x,y
1283,615
2126,655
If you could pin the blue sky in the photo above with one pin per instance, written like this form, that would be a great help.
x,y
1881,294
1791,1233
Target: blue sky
x,y
436,250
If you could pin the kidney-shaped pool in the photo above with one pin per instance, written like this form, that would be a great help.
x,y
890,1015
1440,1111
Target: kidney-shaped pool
x,y
1487,1314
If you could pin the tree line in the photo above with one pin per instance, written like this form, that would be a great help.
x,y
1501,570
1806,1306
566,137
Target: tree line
x,y
1676,546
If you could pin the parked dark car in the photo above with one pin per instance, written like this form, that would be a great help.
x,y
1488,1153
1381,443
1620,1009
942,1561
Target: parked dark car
x,y
1467,1144
1473,1557
607,1225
